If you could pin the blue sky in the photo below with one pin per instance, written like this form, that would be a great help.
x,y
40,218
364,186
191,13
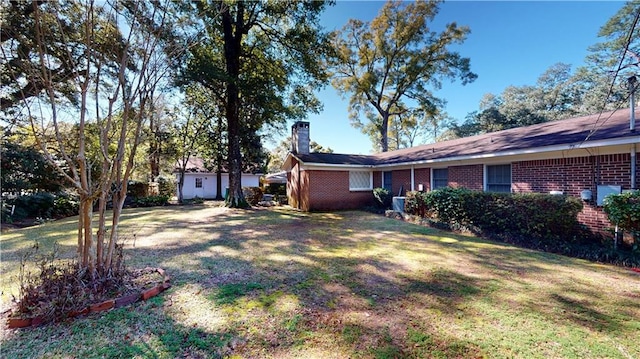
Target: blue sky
x,y
511,43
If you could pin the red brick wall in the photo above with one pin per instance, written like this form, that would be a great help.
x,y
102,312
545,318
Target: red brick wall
x,y
572,175
401,178
422,175
470,176
298,187
377,179
292,185
329,190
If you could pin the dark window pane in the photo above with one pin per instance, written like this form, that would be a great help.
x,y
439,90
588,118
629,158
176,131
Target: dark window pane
x,y
440,178
499,178
387,180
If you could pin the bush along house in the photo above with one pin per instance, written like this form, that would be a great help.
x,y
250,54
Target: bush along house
x,y
587,157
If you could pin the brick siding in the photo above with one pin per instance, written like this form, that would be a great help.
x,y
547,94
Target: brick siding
x,y
377,179
469,176
298,187
400,180
422,176
572,176
329,190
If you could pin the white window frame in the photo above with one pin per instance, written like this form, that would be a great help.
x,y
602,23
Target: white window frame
x,y
369,188
433,179
201,182
486,176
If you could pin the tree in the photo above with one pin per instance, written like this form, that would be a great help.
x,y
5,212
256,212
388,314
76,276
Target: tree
x,y
113,49
417,126
157,139
21,63
396,56
554,96
266,56
279,153
602,82
189,124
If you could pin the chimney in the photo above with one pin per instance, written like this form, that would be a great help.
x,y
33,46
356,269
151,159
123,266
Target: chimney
x,y
300,138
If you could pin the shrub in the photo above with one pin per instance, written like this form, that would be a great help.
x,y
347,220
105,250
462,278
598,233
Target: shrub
x,y
252,195
383,197
34,205
278,189
40,205
623,210
166,185
540,216
538,221
137,189
152,201
5,213
65,205
195,200
416,203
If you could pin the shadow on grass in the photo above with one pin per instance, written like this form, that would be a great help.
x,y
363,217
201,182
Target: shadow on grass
x,y
121,333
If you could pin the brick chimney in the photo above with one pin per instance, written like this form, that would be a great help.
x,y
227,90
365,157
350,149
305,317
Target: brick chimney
x,y
300,138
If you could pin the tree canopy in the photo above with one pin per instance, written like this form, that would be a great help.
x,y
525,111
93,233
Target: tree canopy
x,y
263,60
396,56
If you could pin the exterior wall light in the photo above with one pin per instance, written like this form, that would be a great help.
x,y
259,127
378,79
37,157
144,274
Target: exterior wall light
x,y
586,195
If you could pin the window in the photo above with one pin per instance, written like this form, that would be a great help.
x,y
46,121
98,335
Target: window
x,y
198,182
440,178
498,178
360,181
386,180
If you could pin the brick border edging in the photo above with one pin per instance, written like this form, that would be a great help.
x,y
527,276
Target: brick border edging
x,y
18,322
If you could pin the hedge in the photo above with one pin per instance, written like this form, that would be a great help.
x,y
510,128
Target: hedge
x,y
541,216
538,221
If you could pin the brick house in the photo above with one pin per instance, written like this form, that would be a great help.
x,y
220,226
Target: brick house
x,y
587,157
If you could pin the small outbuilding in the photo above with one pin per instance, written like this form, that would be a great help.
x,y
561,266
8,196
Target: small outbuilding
x,y
202,183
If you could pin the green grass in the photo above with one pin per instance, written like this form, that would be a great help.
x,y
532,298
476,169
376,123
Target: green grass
x,y
286,284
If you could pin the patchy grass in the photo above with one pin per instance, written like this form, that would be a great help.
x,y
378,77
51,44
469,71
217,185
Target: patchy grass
x,y
281,283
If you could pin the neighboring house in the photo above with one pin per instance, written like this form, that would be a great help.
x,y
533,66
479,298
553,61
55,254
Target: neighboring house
x,y
202,183
275,178
590,155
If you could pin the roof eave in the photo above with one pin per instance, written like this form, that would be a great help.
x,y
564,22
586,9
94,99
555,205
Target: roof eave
x,y
562,147
381,164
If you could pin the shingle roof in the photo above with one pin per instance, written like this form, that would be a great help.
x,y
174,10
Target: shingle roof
x,y
573,131
337,159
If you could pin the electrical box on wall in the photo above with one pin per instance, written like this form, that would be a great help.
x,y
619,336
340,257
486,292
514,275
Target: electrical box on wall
x,y
605,190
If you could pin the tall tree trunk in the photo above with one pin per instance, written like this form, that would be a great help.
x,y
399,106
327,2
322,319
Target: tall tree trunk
x,y
232,48
87,256
219,158
180,187
384,132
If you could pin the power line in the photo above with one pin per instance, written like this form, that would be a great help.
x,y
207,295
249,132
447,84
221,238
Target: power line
x,y
596,127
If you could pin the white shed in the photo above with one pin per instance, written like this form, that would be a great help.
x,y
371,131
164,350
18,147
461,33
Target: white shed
x,y
198,182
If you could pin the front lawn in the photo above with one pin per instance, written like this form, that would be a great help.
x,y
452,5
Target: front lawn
x,y
285,284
